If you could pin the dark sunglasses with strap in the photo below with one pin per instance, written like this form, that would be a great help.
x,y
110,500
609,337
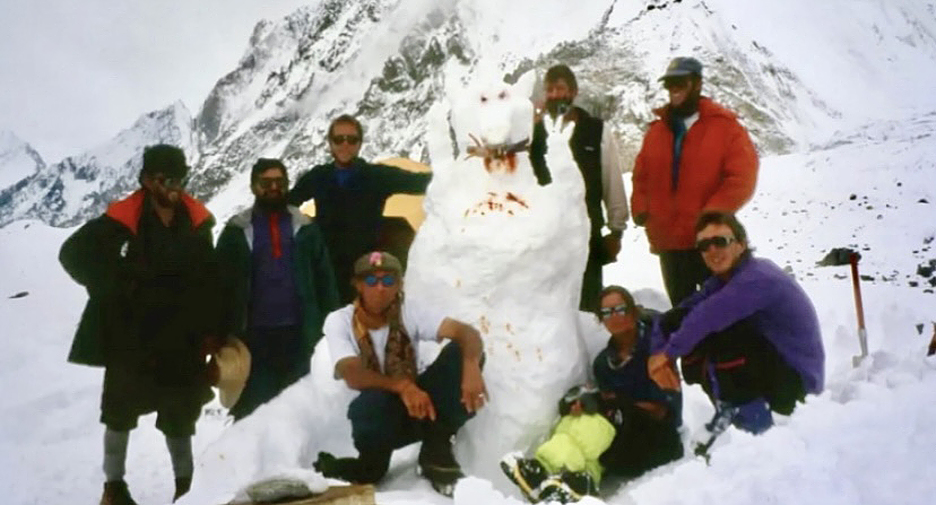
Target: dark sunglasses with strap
x,y
720,242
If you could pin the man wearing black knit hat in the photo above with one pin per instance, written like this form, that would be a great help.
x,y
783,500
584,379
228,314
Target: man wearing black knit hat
x,y
151,275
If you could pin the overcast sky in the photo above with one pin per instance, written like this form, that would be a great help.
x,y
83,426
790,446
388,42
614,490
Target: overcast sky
x,y
75,73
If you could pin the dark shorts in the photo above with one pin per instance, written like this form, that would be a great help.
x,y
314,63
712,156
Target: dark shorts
x,y
131,392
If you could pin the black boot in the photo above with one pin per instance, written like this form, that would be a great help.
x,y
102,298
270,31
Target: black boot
x,y
116,493
368,468
527,474
182,486
437,461
581,483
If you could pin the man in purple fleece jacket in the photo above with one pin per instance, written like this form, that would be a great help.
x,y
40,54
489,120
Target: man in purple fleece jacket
x,y
750,336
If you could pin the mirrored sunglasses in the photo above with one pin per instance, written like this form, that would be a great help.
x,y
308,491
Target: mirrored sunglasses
x,y
387,280
720,242
345,139
606,312
269,182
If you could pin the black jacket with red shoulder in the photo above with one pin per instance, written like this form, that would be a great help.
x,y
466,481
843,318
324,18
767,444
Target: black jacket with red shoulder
x,y
152,289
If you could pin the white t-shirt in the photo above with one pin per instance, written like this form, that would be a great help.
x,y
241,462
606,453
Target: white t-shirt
x,y
339,332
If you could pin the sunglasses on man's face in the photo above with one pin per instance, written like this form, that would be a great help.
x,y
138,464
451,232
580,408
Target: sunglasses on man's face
x,y
269,182
387,280
720,242
169,182
345,139
675,82
606,312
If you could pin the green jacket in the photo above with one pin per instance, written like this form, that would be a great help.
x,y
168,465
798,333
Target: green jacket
x,y
315,280
109,258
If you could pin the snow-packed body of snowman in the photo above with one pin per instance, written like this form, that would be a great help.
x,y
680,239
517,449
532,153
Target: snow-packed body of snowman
x,y
506,255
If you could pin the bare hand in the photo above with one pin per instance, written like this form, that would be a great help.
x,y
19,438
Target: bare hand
x,y
663,372
474,394
417,402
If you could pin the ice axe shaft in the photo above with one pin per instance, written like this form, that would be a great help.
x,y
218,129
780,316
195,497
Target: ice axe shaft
x,y
859,308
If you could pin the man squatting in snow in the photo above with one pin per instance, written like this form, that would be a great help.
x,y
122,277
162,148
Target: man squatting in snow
x,y
750,336
373,344
151,275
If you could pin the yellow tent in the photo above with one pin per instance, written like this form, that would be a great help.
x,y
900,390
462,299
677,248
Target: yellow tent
x,y
405,206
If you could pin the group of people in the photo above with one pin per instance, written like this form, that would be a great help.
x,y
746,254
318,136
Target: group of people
x,y
163,298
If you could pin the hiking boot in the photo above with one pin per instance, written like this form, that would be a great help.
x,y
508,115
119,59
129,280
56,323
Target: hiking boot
x,y
367,468
116,493
581,483
527,474
753,417
437,463
554,489
182,486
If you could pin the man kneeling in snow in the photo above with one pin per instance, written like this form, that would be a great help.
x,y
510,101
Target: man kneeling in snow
x,y
371,346
750,336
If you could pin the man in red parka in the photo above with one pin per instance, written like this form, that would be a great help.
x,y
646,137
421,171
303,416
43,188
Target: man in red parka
x,y
695,158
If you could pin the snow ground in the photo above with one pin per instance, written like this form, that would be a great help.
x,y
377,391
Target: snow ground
x,y
868,439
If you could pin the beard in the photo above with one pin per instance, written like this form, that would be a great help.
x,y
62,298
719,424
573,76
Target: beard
x,y
689,106
272,203
166,199
558,106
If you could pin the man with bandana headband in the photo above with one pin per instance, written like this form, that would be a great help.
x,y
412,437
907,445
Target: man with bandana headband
x,y
695,158
276,268
595,150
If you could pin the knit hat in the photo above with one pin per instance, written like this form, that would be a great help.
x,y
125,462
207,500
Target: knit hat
x,y
377,260
233,360
165,159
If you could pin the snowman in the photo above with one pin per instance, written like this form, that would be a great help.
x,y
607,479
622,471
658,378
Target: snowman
x,y
506,255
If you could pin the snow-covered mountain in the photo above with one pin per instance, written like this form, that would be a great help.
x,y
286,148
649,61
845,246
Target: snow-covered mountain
x,y
18,160
837,95
79,187
386,61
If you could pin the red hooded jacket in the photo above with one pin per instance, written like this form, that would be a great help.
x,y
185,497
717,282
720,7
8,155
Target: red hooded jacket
x,y
718,171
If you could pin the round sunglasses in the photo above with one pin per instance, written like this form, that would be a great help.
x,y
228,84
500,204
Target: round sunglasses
x,y
387,280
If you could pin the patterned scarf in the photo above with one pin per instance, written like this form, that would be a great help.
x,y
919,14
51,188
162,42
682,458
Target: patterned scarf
x,y
399,358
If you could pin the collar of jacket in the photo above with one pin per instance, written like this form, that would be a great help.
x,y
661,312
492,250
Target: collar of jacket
x,y
707,108
243,218
128,211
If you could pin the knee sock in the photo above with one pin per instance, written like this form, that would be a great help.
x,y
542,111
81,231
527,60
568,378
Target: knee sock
x,y
180,449
115,454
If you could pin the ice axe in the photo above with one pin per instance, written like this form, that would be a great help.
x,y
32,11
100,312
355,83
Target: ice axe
x,y
845,256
